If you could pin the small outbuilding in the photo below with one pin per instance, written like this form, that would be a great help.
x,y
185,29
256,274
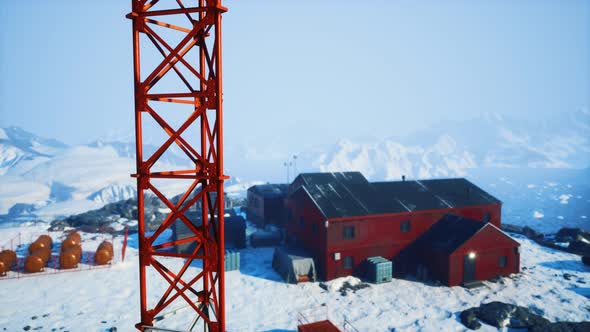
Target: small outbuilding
x,y
235,232
294,265
459,251
266,204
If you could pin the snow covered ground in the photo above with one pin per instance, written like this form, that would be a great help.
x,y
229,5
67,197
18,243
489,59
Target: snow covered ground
x,y
257,299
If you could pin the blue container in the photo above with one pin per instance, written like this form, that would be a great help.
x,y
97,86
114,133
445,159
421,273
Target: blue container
x,y
379,270
232,260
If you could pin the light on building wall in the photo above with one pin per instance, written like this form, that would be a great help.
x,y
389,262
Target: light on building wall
x,y
472,255
326,224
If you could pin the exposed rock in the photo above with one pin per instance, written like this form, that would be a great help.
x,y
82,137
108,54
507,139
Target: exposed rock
x,y
579,247
502,315
512,228
561,327
586,260
571,234
531,233
567,276
469,318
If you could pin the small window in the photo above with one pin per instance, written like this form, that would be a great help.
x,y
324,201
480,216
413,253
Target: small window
x,y
348,262
486,217
301,222
502,261
314,228
405,226
348,232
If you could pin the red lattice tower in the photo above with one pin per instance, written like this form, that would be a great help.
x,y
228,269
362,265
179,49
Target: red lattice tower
x,y
186,39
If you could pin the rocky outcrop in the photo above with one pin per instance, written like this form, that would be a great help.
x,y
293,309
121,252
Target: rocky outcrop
x,y
504,315
571,234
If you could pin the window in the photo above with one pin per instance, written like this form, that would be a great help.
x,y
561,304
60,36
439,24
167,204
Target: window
x,y
347,262
405,226
502,261
314,228
348,232
486,217
301,222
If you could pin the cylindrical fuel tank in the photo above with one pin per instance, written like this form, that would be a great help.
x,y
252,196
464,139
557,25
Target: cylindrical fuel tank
x,y
102,257
106,245
75,236
34,264
3,268
37,245
47,240
8,257
42,253
69,243
68,259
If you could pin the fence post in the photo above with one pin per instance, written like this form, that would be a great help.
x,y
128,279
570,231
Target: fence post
x,y
124,244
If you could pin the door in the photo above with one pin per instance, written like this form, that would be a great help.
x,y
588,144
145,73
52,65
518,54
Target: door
x,y
468,269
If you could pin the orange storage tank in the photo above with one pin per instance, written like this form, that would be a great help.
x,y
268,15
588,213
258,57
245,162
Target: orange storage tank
x,y
69,243
46,239
8,257
107,246
76,249
102,257
3,268
69,259
37,245
34,264
75,236
42,253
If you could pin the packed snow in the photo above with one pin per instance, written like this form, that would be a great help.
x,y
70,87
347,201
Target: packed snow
x,y
258,300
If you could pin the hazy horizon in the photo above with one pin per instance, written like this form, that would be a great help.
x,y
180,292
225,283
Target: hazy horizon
x,y
296,77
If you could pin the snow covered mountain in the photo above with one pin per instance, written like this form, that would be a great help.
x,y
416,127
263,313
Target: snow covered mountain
x,y
451,149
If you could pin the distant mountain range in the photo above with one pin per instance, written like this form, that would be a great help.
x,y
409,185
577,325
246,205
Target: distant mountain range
x,y
44,178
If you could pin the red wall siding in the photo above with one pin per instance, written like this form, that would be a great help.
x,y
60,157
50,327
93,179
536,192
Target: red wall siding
x,y
488,245
302,206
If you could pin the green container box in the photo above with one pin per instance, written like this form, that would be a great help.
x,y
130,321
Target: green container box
x,y
232,260
379,270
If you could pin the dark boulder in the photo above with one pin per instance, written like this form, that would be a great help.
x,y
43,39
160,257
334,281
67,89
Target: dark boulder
x,y
571,234
531,233
579,247
469,318
561,327
512,228
501,315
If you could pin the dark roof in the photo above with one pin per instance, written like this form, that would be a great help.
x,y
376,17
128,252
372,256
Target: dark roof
x,y
449,233
459,192
270,190
347,194
436,194
344,194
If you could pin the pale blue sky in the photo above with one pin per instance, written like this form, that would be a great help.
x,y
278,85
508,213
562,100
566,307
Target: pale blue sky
x,y
298,73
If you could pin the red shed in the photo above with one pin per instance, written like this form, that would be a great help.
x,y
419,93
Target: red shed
x,y
458,251
343,219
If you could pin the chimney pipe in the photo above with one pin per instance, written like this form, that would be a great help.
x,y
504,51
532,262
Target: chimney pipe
x,y
403,178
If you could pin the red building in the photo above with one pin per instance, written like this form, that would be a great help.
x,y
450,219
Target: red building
x,y
343,219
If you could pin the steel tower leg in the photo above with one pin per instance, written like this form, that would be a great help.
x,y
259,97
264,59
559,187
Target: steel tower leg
x,y
154,23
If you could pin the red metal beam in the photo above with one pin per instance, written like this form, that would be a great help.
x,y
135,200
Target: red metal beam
x,y
205,292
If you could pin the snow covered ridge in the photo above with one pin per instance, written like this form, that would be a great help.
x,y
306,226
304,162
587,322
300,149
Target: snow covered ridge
x,y
451,149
